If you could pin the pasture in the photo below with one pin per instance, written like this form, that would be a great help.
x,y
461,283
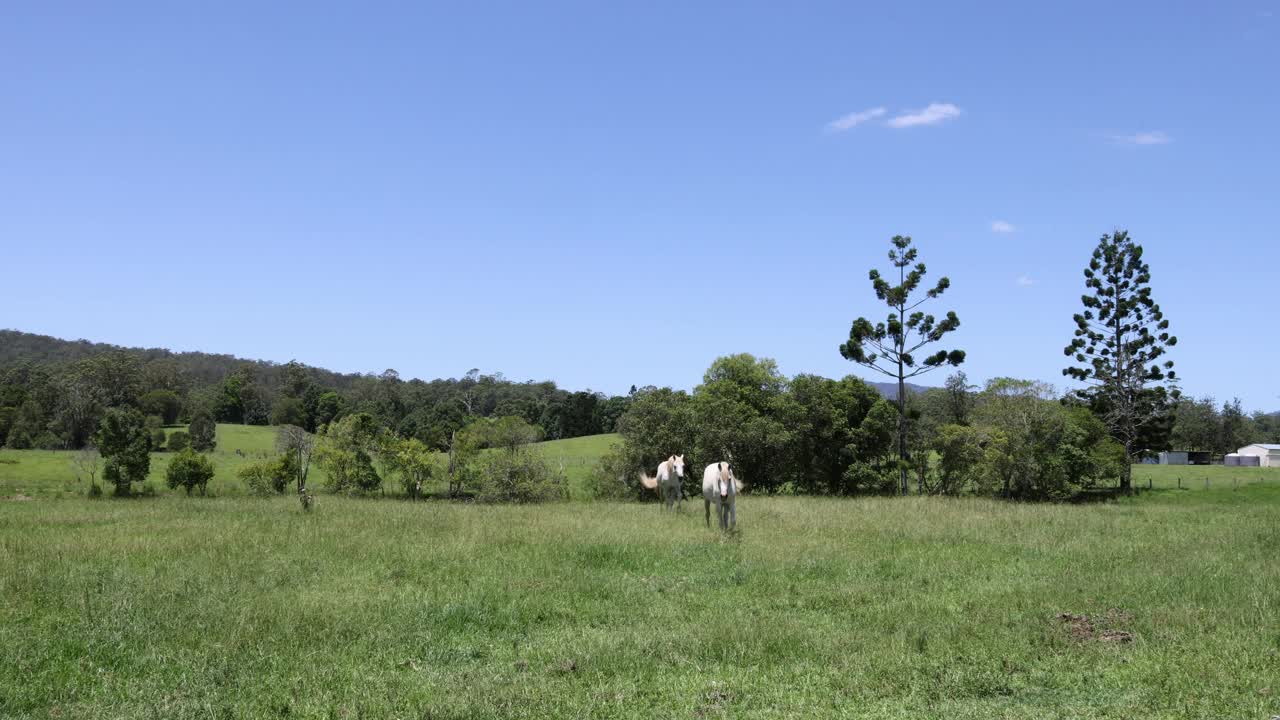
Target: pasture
x,y
1162,606
51,473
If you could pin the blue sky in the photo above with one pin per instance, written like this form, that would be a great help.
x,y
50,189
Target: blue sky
x,y
613,193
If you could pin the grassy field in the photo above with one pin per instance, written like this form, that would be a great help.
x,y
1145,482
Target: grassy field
x,y
51,474
233,607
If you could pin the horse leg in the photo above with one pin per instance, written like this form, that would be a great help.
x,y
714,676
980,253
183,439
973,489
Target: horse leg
x,y
706,505
733,515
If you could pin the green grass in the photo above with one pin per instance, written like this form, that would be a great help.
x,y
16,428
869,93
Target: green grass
x,y
180,607
577,456
241,607
1193,477
51,474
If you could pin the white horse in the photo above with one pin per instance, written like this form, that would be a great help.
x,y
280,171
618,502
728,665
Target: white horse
x,y
720,488
668,481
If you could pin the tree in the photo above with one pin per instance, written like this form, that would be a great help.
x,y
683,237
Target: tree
x,y
190,470
742,414
155,429
1196,425
125,444
299,444
178,441
163,403
288,411
346,454
1036,447
203,431
414,462
329,407
959,397
1237,430
116,377
890,347
825,432
1119,341
86,462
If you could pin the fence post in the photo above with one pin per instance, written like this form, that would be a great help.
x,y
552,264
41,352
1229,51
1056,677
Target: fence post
x,y
1179,482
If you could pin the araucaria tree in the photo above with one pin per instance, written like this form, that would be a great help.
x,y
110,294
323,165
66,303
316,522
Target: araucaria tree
x,y
890,347
1119,341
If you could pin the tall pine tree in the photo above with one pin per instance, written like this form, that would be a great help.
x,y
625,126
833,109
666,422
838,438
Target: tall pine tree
x,y
1119,341
890,347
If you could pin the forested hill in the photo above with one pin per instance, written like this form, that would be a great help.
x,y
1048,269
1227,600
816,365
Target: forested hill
x,y
200,368
54,392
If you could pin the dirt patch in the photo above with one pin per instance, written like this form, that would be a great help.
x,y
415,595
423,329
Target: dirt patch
x,y
20,498
1080,626
1105,627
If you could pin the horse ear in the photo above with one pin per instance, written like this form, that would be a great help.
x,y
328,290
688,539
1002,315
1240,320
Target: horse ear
x,y
680,457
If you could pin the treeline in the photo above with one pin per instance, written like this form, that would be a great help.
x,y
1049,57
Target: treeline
x,y
54,394
1201,424
809,434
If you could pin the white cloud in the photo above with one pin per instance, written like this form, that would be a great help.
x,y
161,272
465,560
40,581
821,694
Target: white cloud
x,y
1153,137
854,119
934,114
1000,226
1025,280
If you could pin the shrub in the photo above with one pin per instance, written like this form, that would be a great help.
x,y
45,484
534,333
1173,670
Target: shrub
x,y
269,477
189,469
413,461
519,476
203,431
178,441
614,477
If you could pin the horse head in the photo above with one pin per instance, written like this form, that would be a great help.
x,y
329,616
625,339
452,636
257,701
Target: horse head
x,y
677,464
725,480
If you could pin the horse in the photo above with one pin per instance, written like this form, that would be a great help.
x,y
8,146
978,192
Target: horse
x,y
720,488
668,481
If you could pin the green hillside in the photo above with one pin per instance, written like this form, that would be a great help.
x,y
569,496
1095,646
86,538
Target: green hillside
x,y
52,473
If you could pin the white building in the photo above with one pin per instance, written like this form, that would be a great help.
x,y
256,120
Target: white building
x,y
1268,455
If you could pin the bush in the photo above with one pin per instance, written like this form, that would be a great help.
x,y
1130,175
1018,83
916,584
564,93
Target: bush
x,y
157,439
615,477
203,431
269,477
519,476
189,469
178,441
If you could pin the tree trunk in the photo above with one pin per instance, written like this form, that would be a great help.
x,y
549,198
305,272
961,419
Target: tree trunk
x,y
1126,473
902,432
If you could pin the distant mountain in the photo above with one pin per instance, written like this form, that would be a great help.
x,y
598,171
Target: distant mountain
x,y
890,389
